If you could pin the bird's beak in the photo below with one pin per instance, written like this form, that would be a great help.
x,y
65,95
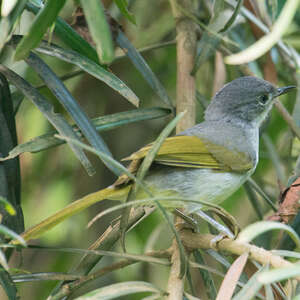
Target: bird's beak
x,y
284,90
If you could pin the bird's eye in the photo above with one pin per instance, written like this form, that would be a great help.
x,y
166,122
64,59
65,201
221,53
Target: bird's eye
x,y
263,99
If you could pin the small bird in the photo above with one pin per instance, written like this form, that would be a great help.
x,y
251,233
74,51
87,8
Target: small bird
x,y
207,162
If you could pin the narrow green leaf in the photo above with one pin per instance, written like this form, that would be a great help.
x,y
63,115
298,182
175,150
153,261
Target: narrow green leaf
x,y
41,23
69,36
135,257
253,200
255,229
8,207
11,189
8,232
142,66
115,291
269,292
141,173
92,68
47,109
274,7
205,274
260,191
122,5
64,96
104,123
7,22
44,276
270,276
274,156
108,160
99,29
233,17
286,253
7,6
147,161
3,261
190,297
176,202
8,285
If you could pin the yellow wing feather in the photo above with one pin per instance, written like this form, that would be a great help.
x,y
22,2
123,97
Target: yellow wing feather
x,y
183,151
193,152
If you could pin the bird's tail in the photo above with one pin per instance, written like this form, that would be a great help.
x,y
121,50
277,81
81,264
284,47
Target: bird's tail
x,y
72,209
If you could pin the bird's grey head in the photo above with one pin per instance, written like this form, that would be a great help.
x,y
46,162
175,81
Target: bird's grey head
x,y
246,98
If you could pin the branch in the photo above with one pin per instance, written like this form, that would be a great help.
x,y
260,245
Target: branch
x,y
204,241
186,37
175,282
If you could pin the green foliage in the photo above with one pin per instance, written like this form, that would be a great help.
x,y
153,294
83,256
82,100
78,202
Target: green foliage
x,y
77,87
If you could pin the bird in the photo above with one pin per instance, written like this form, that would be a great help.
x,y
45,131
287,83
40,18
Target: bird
x,y
207,162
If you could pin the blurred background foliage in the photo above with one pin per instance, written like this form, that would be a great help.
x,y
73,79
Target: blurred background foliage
x,y
53,178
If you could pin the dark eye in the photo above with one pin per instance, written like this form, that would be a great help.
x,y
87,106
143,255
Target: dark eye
x,y
263,99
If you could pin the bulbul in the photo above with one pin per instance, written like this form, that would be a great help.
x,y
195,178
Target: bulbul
x,y
207,162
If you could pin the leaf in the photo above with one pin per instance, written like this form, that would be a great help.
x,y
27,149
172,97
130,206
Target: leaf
x,y
286,253
122,5
233,17
8,207
232,276
270,276
190,297
263,45
7,22
104,123
8,285
7,6
69,36
8,232
255,229
99,29
142,66
135,257
141,173
90,67
115,291
205,273
84,202
41,23
250,289
64,96
48,111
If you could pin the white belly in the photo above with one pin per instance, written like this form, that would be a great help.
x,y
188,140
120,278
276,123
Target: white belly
x,y
197,184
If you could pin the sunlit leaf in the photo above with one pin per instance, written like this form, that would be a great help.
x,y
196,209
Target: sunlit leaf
x,y
255,229
115,291
41,23
99,29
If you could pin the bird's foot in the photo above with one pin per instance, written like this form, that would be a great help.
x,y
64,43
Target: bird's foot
x,y
217,239
224,230
189,222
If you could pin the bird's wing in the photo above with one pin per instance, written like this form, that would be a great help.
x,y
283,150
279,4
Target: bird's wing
x,y
193,152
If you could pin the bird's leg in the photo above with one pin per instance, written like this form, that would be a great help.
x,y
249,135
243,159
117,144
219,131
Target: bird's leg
x,y
224,231
189,220
227,218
